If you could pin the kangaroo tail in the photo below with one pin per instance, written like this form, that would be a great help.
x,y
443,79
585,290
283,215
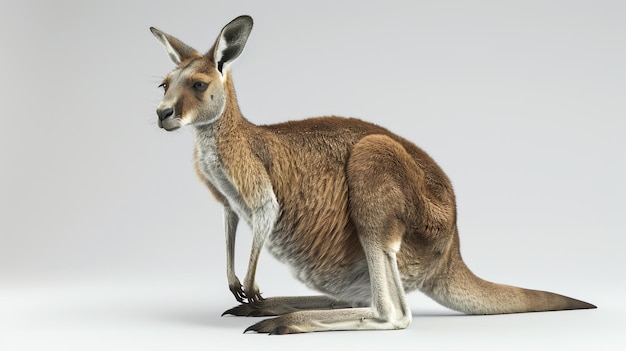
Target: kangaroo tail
x,y
463,291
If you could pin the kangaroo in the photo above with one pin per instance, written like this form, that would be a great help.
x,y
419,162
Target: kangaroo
x,y
359,214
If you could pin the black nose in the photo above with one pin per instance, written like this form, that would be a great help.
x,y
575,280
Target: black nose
x,y
163,113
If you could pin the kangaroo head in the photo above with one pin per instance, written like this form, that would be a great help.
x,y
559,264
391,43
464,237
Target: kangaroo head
x,y
195,91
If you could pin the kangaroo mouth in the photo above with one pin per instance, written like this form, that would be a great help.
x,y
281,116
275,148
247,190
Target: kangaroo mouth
x,y
170,123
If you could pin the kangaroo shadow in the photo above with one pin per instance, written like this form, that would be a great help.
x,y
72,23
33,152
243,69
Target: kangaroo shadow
x,y
436,314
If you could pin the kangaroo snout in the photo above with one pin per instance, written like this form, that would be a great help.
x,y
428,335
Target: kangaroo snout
x,y
163,113
167,120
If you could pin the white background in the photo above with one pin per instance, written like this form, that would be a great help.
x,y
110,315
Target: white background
x,y
108,240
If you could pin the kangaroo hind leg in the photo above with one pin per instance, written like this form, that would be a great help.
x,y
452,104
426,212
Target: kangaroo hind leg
x,y
378,187
377,208
389,309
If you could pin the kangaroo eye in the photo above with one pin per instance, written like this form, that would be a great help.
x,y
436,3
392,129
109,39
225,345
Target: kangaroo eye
x,y
200,86
163,85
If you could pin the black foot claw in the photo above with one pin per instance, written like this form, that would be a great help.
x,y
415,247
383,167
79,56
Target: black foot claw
x,y
251,328
272,326
246,310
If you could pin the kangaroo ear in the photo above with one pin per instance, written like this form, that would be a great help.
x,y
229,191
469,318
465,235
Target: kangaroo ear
x,y
177,50
231,42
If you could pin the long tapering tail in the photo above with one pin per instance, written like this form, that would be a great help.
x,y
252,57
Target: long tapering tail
x,y
465,292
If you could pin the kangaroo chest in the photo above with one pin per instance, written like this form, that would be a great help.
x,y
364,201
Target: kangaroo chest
x,y
213,169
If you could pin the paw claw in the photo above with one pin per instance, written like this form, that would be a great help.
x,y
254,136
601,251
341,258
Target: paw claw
x,y
237,290
254,297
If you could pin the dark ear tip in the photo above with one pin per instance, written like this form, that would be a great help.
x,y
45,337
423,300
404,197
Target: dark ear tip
x,y
244,18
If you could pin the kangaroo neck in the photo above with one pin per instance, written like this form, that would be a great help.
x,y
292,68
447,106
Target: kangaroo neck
x,y
230,123
227,126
